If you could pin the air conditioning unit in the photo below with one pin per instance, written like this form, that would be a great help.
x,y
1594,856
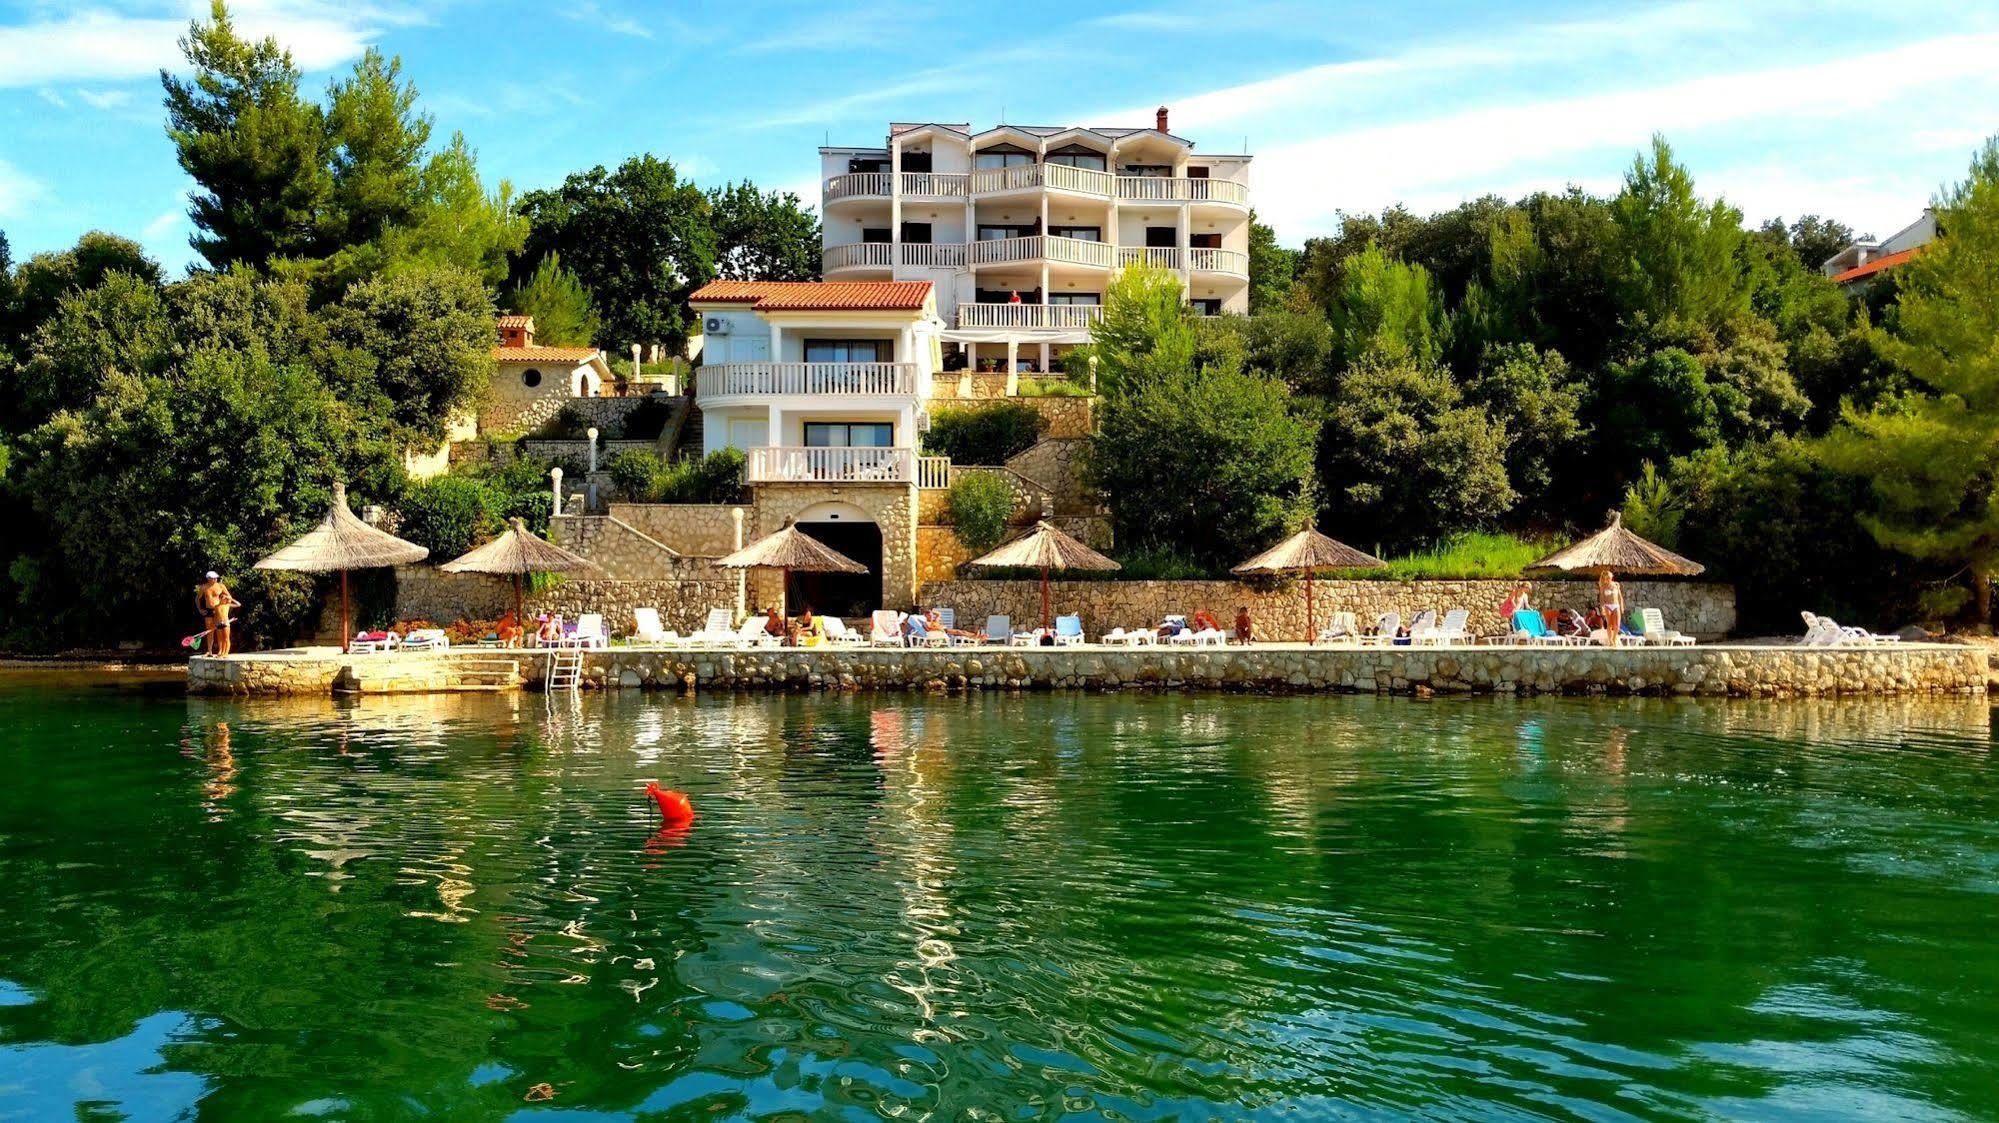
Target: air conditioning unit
x,y
715,325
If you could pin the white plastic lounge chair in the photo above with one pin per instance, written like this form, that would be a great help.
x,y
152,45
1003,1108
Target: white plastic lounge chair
x,y
1385,628
1068,631
885,628
753,632
426,639
1181,634
1529,627
1132,638
1455,628
1825,631
589,632
838,632
646,627
1344,627
371,643
1423,629
999,630
1657,633
717,629
1208,637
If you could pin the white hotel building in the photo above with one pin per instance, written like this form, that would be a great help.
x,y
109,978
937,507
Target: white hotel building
x,y
1019,228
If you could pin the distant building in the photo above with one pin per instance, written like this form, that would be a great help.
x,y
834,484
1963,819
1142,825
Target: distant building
x,y
1020,227
1855,264
532,381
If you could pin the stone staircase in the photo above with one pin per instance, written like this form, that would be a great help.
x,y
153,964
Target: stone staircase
x,y
681,436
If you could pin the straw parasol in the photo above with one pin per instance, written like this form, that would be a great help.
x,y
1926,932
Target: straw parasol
x,y
789,549
517,553
1044,549
1307,552
342,542
1616,550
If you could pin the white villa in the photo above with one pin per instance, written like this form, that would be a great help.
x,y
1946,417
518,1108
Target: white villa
x,y
1861,260
1019,227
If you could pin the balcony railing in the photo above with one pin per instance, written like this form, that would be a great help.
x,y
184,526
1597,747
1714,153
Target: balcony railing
x,y
935,254
1061,177
857,183
780,464
1159,189
1218,261
860,255
1074,251
940,185
933,471
1159,257
725,379
1072,316
1012,178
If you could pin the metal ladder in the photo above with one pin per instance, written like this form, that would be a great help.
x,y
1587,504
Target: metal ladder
x,y
565,669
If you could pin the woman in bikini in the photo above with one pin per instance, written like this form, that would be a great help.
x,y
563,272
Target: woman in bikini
x,y
1610,603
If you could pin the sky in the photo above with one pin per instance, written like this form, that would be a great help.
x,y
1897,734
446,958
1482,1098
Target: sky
x,y
1859,111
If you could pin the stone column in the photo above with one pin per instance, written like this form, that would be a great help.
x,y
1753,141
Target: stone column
x,y
742,575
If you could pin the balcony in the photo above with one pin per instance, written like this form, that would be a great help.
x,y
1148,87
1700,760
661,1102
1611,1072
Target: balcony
x,y
1040,247
776,464
1233,262
1059,177
944,255
1149,189
857,184
1069,317
934,185
860,255
1159,257
727,380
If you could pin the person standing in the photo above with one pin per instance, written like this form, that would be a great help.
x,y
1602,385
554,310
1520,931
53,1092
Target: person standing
x,y
1610,604
216,604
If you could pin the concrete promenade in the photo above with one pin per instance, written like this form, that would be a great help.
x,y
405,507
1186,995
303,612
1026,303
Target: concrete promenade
x,y
1709,670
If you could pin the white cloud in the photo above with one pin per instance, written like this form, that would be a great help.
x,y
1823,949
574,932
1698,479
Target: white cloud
x,y
1301,185
105,99
18,189
591,12
116,41
52,97
163,224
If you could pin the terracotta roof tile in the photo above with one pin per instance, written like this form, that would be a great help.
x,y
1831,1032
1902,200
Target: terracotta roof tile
x,y
543,354
517,321
1875,266
818,296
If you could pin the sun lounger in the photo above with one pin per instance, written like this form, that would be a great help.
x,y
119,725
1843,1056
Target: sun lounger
x,y
369,643
838,632
1422,630
885,628
1454,629
754,632
1068,631
999,630
1118,637
717,629
1386,626
646,627
1343,628
426,639
1657,633
1824,631
1529,627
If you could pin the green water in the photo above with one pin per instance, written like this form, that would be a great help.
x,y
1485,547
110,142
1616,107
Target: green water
x,y
995,908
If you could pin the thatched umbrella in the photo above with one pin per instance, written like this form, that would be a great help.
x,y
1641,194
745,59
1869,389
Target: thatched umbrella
x,y
342,542
1616,550
517,553
789,549
1045,549
1308,552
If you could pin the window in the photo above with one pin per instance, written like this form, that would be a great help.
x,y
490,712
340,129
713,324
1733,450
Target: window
x,y
849,350
1086,233
849,434
1003,156
1076,156
1162,237
1195,171
874,234
1205,241
1150,171
916,233
993,232
530,378
1075,298
916,161
1207,306
867,164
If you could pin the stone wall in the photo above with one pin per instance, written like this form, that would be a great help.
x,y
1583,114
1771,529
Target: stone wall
x,y
891,507
1056,464
939,553
1067,417
624,553
700,529
515,409
683,592
425,592
1704,609
563,451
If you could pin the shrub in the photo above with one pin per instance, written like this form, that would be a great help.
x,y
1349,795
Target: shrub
x,y
987,435
635,473
1465,557
642,477
568,424
1054,388
646,420
450,515
981,503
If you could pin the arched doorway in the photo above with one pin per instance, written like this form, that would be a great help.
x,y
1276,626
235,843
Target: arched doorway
x,y
847,529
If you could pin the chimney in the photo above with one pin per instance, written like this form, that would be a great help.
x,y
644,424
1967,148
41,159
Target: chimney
x,y
1161,126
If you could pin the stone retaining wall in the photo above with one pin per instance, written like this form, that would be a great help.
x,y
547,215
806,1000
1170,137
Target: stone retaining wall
x,y
1705,671
703,529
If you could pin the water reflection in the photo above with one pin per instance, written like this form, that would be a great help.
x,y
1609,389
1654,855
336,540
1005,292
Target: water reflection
x,y
1145,906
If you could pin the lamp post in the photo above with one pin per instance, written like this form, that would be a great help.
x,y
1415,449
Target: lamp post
x,y
555,486
590,480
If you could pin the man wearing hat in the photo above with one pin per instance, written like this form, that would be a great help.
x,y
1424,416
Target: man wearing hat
x,y
214,601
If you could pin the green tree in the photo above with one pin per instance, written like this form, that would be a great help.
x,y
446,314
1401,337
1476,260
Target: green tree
x,y
988,435
763,236
559,304
1815,239
1272,268
1660,405
640,238
1932,457
981,504
121,324
1214,463
255,148
450,514
418,347
1405,461
1296,347
1146,332
40,283
375,145
1536,397
1386,308
1678,257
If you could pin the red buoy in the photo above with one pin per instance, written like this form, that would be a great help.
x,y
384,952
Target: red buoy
x,y
674,807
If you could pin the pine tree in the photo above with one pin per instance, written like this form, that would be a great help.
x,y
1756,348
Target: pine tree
x,y
559,304
1932,457
376,141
